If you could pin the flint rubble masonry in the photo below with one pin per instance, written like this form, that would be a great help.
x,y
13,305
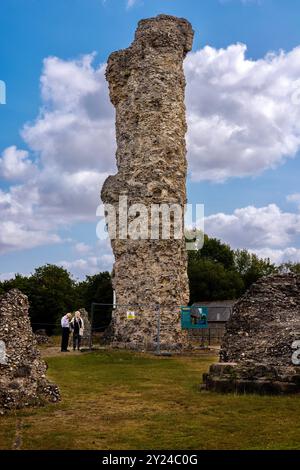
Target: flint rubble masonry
x,y
23,379
85,341
256,353
147,84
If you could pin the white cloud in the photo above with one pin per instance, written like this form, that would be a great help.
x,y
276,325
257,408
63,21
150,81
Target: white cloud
x,y
82,248
243,115
81,266
96,259
295,198
73,137
16,236
280,256
88,266
6,276
254,227
16,165
244,2
75,130
131,3
268,231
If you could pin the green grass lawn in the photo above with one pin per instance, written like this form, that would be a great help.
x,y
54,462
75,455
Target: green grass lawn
x,y
123,400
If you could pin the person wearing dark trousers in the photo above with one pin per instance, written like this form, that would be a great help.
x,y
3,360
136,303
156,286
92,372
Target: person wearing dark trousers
x,y
65,325
77,327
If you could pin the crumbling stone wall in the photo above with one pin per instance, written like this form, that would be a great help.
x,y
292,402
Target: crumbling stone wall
x,y
23,379
256,353
41,337
85,341
146,83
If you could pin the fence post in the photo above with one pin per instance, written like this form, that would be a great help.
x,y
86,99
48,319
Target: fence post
x,y
158,330
91,332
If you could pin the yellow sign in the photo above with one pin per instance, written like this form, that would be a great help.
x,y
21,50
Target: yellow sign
x,y
130,315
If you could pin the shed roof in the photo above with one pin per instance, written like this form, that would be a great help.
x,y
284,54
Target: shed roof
x,y
218,311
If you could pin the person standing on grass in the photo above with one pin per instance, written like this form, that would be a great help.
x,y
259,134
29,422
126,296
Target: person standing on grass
x,y
77,326
65,325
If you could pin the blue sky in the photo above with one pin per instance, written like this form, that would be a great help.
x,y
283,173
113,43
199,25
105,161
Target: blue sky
x,y
57,136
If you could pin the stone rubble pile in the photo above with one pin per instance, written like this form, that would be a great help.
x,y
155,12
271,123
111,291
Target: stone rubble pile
x,y
85,341
41,337
257,349
23,379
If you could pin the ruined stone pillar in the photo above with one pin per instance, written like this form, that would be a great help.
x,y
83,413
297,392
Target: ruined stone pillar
x,y
147,84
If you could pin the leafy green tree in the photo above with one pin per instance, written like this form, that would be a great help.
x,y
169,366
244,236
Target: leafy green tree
x,y
51,293
210,280
19,282
212,273
98,289
216,272
214,250
252,268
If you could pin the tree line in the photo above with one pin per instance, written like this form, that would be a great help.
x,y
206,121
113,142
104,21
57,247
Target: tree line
x,y
52,292
216,272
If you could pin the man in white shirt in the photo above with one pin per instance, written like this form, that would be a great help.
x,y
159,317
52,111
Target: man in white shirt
x,y
65,325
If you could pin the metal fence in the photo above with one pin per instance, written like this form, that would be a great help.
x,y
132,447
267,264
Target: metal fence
x,y
101,316
210,336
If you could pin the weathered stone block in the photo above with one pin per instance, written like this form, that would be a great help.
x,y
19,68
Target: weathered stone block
x,y
221,368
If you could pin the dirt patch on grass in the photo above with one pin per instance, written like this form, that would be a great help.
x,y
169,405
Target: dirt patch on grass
x,y
54,351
